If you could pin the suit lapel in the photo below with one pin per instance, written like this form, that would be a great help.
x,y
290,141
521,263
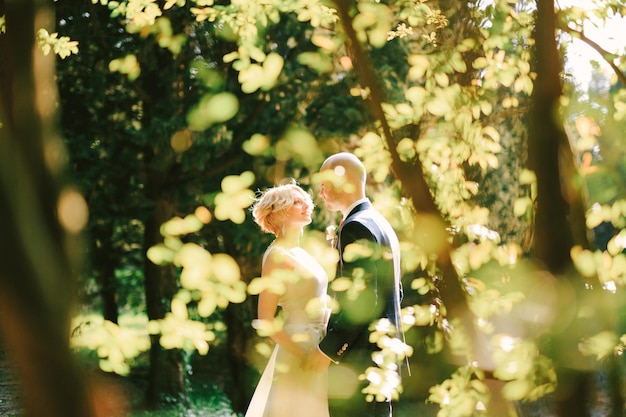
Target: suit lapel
x,y
359,207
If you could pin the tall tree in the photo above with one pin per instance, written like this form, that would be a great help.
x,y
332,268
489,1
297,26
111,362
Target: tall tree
x,y
40,215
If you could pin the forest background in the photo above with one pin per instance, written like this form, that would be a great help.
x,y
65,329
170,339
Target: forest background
x,y
134,135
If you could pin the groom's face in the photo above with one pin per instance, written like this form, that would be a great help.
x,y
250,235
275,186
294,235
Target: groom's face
x,y
333,183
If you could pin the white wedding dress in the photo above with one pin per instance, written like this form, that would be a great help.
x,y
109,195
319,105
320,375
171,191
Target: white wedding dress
x,y
285,389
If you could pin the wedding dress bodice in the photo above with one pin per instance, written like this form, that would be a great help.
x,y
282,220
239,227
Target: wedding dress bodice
x,y
304,298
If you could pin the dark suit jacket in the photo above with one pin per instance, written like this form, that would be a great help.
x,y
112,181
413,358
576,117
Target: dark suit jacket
x,y
347,338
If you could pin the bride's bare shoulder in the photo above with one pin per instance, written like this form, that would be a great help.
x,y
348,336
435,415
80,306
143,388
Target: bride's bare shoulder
x,y
277,257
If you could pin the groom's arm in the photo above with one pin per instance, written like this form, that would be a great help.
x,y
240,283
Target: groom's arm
x,y
358,306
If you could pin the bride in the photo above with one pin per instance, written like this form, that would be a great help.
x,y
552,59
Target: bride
x,y
296,282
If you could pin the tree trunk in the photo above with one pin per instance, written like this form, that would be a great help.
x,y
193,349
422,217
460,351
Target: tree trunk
x,y
239,333
499,188
549,150
411,176
559,207
166,375
36,275
166,383
105,261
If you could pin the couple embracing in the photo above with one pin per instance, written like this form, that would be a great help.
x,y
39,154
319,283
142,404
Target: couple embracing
x,y
312,348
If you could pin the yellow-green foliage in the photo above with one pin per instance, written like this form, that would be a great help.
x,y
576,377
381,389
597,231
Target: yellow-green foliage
x,y
609,266
51,42
116,345
461,394
455,93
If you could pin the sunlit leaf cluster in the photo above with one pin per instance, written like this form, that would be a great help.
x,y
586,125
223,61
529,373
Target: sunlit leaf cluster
x,y
213,280
473,255
385,382
609,269
178,331
276,282
372,23
213,109
461,395
235,197
524,206
62,46
619,101
208,280
456,117
166,38
245,22
116,345
127,65
138,13
260,76
609,266
486,303
603,344
417,17
266,328
528,374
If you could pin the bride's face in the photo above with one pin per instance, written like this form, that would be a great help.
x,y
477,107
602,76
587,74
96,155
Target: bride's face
x,y
299,213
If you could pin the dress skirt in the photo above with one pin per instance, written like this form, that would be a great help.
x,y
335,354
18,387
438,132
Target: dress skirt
x,y
285,389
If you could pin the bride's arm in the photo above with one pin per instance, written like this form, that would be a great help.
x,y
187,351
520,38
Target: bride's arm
x,y
268,305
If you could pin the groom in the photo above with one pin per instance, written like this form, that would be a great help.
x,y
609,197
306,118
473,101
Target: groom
x,y
375,294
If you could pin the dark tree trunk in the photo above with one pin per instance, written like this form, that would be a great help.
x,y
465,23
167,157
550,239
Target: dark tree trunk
x,y
549,151
559,221
238,388
105,261
166,383
411,175
36,268
161,102
108,285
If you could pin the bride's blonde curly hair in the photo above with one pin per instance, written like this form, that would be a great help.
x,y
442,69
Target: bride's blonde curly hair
x,y
270,206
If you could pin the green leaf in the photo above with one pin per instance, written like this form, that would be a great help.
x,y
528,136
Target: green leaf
x,y
318,62
527,176
234,183
457,63
516,390
584,261
160,254
272,68
406,149
226,269
600,345
251,78
419,65
213,109
438,106
416,95
442,79
257,145
480,63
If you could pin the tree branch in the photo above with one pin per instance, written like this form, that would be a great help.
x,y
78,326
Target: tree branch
x,y
411,176
603,52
